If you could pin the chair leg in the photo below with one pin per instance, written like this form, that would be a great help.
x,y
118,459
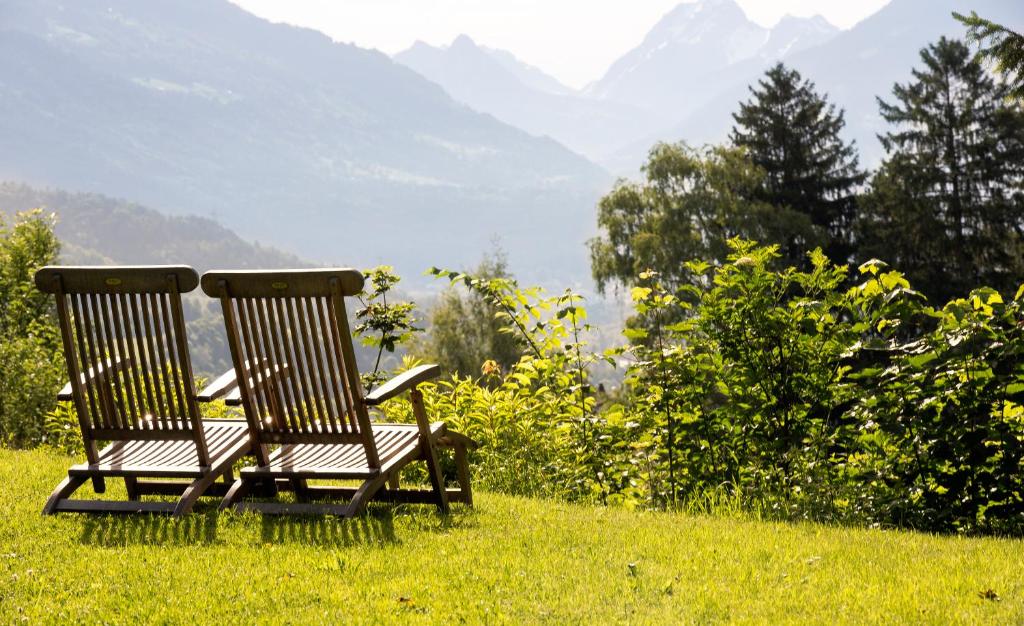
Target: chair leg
x,y
428,451
192,493
131,485
436,479
299,486
462,468
98,484
238,491
363,495
63,490
393,482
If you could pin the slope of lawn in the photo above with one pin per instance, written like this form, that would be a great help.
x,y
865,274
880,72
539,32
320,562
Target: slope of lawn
x,y
509,560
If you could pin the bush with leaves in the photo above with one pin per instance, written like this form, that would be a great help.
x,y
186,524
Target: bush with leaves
x,y
745,389
940,415
31,362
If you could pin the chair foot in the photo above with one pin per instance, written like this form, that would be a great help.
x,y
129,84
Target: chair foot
x,y
363,495
192,494
234,495
63,490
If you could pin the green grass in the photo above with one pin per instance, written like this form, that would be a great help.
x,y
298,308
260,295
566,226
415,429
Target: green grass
x,y
509,560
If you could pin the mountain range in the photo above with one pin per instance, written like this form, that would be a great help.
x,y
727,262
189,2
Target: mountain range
x,y
324,149
695,65
343,155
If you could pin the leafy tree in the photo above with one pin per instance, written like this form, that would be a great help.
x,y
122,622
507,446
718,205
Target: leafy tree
x,y
792,133
31,364
465,329
691,203
381,324
999,44
947,206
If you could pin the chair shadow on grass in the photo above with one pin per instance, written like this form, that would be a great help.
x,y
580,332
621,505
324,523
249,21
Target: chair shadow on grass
x,y
150,530
375,527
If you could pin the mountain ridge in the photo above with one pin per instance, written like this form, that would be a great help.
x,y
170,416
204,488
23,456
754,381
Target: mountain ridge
x,y
198,107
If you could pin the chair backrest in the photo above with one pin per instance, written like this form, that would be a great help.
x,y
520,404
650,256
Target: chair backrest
x,y
293,355
127,353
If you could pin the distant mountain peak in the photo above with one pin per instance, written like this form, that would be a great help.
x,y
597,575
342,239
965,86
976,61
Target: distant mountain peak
x,y
463,41
818,21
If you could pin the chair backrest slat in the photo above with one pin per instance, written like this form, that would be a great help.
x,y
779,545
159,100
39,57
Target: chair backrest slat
x,y
126,349
293,354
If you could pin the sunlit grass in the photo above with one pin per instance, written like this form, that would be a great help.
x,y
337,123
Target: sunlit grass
x,y
509,560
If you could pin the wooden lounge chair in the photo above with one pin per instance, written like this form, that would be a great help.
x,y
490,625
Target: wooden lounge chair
x,y
300,389
131,384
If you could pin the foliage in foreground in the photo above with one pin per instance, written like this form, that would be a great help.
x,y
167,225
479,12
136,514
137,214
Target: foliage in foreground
x,y
782,389
509,560
31,365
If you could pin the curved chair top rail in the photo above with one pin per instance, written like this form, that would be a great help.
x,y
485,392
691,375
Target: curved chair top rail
x,y
283,283
116,279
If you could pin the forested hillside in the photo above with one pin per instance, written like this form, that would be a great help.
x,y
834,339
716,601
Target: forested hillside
x,y
97,230
197,107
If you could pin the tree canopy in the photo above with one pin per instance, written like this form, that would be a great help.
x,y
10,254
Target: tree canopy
x,y
997,43
690,204
947,206
793,134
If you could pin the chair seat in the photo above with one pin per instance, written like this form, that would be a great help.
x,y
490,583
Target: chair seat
x,y
168,458
396,443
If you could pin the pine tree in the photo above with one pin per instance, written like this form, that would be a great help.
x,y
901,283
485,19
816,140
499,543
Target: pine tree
x,y
793,133
997,43
947,206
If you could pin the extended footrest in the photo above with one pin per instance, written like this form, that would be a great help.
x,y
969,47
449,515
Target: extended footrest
x,y
112,506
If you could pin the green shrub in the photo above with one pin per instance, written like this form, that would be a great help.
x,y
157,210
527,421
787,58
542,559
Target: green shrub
x,y
31,362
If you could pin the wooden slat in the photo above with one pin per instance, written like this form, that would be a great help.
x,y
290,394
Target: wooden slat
x,y
293,382
174,361
398,496
97,354
113,506
299,342
132,350
112,339
317,369
110,434
142,367
111,279
281,403
184,364
154,368
248,348
95,419
283,283
336,382
66,332
343,343
290,437
176,488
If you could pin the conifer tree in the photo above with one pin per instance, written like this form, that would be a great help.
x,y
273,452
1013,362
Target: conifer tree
x,y
997,43
793,134
947,206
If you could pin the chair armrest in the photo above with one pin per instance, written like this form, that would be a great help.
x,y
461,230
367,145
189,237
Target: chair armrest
x,y
66,394
403,382
224,384
234,398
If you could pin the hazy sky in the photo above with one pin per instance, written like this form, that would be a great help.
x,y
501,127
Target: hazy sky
x,y
574,40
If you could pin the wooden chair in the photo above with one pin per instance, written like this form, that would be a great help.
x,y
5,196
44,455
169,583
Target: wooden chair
x,y
299,385
131,384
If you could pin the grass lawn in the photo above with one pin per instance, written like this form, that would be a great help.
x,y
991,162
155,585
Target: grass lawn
x,y
509,560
